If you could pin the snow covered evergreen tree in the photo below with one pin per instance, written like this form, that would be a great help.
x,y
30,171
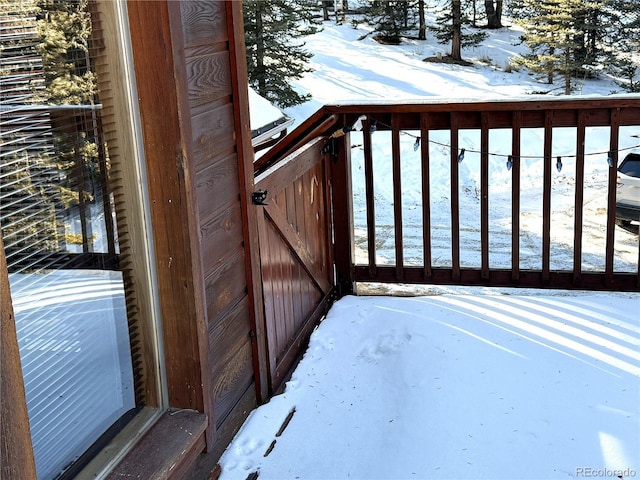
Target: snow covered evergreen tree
x,y
275,53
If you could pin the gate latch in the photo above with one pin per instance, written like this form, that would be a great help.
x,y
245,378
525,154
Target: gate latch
x,y
259,197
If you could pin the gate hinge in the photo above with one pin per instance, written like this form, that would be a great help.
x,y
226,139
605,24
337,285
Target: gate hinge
x,y
259,196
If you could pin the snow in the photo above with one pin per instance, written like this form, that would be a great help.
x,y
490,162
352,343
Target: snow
x,y
261,111
349,69
459,382
471,384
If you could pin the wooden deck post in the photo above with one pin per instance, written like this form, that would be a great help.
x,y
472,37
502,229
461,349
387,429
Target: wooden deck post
x,y
16,460
343,217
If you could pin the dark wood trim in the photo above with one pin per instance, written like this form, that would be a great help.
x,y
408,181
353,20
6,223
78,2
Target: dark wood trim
x,y
290,168
484,195
169,185
246,176
598,109
397,195
290,236
315,126
455,196
426,194
167,450
622,282
370,199
16,451
301,340
515,195
579,200
546,195
614,140
341,195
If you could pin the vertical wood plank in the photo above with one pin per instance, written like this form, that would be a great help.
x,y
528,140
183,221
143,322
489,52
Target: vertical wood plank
x,y
546,195
397,197
343,222
249,212
371,203
16,451
614,143
171,213
455,199
484,196
426,195
516,119
579,200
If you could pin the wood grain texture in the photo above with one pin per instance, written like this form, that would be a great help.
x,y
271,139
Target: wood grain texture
x,y
214,136
167,450
294,246
229,335
208,77
231,381
16,452
217,188
203,22
172,212
221,237
225,287
244,148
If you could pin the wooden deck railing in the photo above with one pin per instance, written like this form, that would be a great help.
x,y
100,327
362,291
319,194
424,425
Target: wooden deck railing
x,y
559,229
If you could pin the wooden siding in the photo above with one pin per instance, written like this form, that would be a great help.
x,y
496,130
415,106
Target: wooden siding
x,y
210,112
16,453
192,111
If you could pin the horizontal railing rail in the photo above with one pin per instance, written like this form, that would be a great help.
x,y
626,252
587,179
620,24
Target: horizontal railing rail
x,y
501,193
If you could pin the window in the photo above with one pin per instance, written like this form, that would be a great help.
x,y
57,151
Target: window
x,y
69,170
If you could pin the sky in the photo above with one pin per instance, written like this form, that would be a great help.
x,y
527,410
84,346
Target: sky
x,y
457,383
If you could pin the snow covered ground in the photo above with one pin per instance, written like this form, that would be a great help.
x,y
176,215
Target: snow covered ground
x,y
467,384
459,382
349,68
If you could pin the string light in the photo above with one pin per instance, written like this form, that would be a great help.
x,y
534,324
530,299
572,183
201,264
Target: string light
x,y
610,159
373,127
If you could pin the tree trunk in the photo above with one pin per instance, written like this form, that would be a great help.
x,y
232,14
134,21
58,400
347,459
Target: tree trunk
x,y
493,19
325,10
422,32
456,41
262,83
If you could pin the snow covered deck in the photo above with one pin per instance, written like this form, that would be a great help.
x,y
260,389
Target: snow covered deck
x,y
464,383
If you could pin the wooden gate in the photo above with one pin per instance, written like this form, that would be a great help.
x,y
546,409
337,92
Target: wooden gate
x,y
295,253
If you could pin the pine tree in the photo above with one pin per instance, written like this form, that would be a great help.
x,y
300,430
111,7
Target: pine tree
x,y
275,54
621,43
450,27
391,20
554,31
65,30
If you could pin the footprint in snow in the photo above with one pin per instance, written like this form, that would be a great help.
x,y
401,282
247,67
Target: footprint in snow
x,y
386,344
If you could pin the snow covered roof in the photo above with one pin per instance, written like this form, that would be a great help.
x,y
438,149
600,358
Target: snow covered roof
x,y
267,121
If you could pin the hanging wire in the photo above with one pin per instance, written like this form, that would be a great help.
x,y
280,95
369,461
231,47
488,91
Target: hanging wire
x,y
375,123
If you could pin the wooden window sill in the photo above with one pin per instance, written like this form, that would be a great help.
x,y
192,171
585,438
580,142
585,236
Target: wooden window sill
x,y
167,449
